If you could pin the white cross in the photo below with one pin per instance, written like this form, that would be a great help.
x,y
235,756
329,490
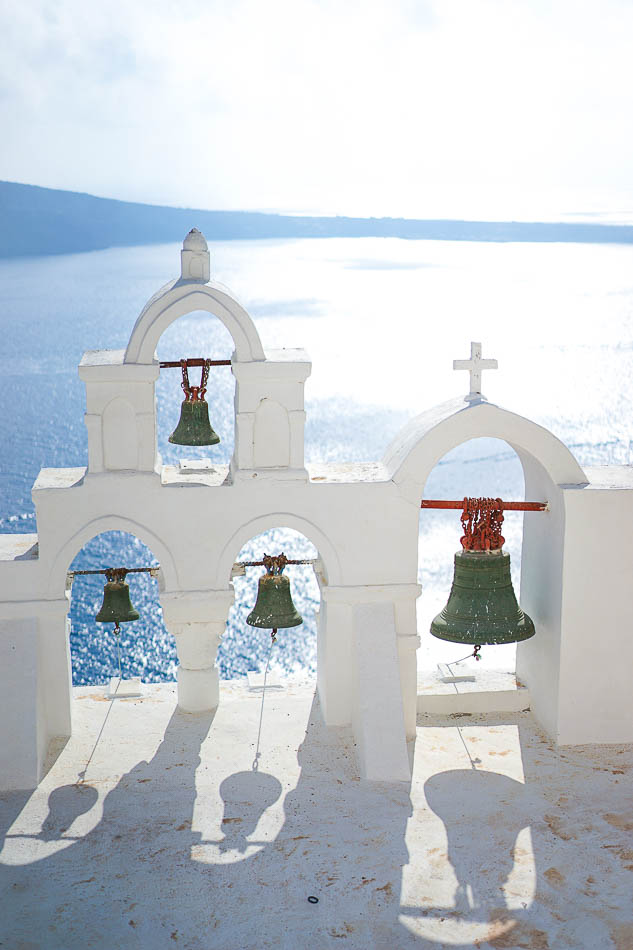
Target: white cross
x,y
475,365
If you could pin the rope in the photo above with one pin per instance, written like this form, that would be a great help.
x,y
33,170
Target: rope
x,y
82,775
255,765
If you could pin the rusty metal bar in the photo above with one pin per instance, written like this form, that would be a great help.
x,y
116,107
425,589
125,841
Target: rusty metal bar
x,y
505,505
263,564
128,570
196,361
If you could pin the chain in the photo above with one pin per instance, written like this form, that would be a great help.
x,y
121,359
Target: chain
x,y
481,521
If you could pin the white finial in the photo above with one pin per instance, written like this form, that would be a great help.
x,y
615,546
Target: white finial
x,y
475,365
194,257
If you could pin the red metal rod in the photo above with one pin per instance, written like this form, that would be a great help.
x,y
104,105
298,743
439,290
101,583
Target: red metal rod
x,y
196,361
505,505
262,564
128,570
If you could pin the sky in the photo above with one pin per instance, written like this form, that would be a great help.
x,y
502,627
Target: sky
x,y
454,108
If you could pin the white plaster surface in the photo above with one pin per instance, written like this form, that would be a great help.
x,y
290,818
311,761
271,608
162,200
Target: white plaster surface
x,y
151,830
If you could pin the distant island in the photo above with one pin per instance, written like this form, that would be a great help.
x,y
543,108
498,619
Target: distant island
x,y
36,220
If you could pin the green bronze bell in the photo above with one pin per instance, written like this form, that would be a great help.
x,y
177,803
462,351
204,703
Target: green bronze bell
x,y
116,607
193,426
274,608
482,606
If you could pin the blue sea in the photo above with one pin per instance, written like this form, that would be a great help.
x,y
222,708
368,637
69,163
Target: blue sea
x,y
382,320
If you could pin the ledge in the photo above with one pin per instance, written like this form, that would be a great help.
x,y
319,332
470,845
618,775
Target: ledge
x,y
606,478
173,476
56,478
108,365
476,691
19,547
347,472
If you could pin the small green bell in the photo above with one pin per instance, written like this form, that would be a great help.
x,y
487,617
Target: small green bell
x,y
116,607
193,426
274,608
482,606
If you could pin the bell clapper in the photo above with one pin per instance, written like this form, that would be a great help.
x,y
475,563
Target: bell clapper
x,y
273,635
477,651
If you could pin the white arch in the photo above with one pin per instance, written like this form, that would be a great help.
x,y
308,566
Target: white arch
x,y
65,554
426,439
278,519
181,297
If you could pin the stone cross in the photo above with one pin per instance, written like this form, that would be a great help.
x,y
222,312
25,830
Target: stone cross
x,y
475,365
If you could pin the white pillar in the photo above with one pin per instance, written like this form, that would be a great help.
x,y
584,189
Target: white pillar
x,y
378,714
197,620
36,688
367,671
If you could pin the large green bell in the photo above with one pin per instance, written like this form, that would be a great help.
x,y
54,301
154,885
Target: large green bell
x,y
482,606
274,608
116,607
193,426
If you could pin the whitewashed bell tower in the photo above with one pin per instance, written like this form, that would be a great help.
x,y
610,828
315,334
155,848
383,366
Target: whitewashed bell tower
x,y
362,518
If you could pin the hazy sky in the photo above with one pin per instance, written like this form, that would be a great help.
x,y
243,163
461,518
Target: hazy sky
x,y
462,108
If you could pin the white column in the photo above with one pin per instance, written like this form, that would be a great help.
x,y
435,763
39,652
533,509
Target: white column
x,y
36,687
197,620
367,672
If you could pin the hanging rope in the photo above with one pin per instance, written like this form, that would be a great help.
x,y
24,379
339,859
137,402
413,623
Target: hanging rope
x,y
82,775
273,640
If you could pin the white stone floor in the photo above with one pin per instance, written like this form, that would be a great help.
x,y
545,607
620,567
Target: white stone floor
x,y
151,830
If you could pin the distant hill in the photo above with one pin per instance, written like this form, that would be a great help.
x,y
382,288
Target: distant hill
x,y
37,220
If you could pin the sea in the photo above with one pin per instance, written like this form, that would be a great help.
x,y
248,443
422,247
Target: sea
x,y
382,320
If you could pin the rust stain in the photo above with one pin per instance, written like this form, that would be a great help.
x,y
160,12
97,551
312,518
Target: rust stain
x,y
623,937
186,824
554,823
230,821
554,877
624,854
343,932
387,888
509,934
623,822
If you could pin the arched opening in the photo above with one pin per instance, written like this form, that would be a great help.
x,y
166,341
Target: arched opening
x,y
147,649
481,467
196,334
245,648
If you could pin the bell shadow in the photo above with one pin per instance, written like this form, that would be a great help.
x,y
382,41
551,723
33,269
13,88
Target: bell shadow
x,y
565,892
337,858
142,877
109,885
483,813
65,805
246,796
